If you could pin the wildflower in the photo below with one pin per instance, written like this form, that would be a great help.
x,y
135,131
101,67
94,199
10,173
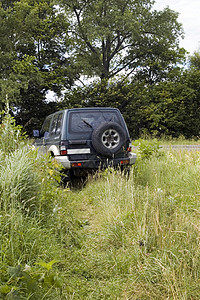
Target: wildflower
x,y
56,208
27,268
171,199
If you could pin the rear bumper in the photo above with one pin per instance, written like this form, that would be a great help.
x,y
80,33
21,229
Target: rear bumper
x,y
132,156
96,163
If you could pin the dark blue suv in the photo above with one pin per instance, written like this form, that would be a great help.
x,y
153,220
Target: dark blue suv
x,y
86,139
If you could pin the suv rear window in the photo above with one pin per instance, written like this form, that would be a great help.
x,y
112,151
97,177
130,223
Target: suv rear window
x,y
85,122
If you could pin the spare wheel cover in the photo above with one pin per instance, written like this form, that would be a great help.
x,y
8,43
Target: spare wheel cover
x,y
108,138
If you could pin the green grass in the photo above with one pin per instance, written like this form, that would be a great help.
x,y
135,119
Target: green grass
x,y
113,239
140,238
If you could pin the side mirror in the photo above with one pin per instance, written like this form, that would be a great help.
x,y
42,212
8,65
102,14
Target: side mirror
x,y
36,133
46,135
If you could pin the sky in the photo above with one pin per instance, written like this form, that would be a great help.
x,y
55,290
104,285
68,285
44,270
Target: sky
x,y
189,16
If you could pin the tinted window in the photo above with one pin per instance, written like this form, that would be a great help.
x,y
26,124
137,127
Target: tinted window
x,y
56,124
80,122
59,123
45,127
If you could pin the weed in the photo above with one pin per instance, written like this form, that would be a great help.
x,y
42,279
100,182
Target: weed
x,y
11,135
147,148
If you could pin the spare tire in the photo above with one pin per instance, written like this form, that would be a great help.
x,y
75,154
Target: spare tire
x,y
108,138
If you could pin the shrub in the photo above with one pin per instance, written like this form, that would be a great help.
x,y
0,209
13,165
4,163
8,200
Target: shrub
x,y
11,135
147,148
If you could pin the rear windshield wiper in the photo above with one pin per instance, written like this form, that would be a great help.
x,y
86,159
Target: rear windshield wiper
x,y
88,124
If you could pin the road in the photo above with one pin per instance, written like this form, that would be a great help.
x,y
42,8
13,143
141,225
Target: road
x,y
178,147
183,147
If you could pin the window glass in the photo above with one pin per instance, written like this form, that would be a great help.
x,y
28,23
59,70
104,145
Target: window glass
x,y
56,124
53,125
87,121
59,123
45,127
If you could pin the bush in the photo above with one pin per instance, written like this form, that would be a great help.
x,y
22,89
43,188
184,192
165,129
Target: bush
x,y
147,148
11,135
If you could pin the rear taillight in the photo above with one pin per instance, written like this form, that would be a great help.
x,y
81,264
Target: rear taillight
x,y
63,150
76,164
124,162
129,149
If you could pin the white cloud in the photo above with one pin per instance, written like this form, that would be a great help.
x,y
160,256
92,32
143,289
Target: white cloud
x,y
189,17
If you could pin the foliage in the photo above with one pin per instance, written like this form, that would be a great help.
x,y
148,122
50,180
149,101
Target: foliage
x,y
114,36
28,189
11,136
147,148
194,61
46,47
174,106
28,280
33,45
38,35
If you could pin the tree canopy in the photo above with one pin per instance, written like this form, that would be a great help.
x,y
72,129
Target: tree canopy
x,y
115,36
129,49
32,43
33,47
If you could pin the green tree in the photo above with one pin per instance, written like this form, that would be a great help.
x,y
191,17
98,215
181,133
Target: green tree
x,y
33,46
170,107
194,61
114,36
173,106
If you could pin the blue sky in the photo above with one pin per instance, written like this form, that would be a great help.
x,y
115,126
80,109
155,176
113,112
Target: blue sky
x,y
189,16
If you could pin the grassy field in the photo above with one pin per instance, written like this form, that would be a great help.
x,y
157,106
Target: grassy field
x,y
139,239
113,239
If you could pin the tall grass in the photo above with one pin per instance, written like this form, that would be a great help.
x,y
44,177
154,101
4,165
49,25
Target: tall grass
x,y
113,239
141,237
18,182
28,195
